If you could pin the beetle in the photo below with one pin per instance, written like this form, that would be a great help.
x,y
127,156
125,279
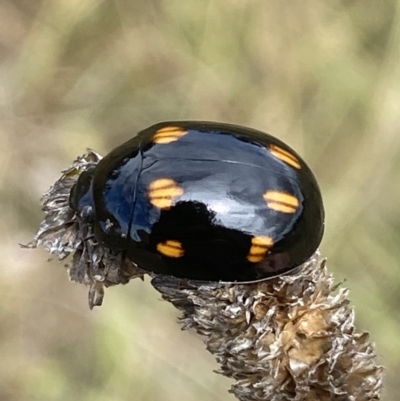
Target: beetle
x,y
204,201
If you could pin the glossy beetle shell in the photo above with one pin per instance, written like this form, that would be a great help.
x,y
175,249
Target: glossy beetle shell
x,y
204,201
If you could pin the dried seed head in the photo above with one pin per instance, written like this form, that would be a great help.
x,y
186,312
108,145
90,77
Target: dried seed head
x,y
63,232
287,338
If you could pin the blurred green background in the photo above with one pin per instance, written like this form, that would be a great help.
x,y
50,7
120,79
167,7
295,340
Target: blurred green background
x,y
322,76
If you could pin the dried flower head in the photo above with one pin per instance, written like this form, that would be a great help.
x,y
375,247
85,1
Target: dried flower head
x,y
287,338
63,232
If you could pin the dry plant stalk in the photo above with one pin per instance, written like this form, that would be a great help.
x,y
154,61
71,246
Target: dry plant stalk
x,y
287,338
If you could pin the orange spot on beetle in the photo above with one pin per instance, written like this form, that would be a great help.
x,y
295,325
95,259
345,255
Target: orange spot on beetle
x,y
162,192
260,245
168,134
285,156
171,248
281,201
